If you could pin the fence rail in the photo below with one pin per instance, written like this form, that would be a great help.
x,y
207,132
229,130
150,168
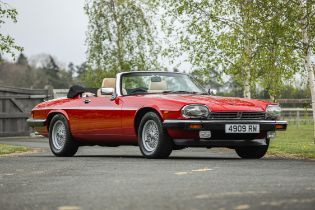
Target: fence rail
x,y
298,116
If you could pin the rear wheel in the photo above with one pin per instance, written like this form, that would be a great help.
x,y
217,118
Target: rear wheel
x,y
252,152
60,141
152,137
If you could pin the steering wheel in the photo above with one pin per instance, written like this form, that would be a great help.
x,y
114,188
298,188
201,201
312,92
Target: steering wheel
x,y
138,90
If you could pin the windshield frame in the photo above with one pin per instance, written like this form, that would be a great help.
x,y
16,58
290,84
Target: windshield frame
x,y
120,77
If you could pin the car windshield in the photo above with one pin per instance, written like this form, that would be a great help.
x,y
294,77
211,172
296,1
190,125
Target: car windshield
x,y
159,82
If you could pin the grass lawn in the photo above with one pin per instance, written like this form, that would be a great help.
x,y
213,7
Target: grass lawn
x,y
295,142
8,149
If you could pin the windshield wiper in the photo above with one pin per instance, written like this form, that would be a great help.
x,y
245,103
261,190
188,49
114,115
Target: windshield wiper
x,y
184,91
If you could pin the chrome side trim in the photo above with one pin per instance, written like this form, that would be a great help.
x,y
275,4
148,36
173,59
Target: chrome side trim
x,y
36,122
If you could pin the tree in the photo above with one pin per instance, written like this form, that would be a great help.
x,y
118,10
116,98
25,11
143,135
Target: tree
x,y
71,70
55,76
276,59
119,39
217,37
22,60
207,78
306,23
243,39
7,43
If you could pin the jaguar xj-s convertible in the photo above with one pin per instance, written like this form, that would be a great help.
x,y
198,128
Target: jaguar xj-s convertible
x,y
159,112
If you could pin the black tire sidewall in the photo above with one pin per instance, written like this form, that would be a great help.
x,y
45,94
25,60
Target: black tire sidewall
x,y
70,147
252,152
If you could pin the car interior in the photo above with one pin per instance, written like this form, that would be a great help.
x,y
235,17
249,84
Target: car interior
x,y
154,87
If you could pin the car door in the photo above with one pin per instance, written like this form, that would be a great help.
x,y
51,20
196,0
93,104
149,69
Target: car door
x,y
96,118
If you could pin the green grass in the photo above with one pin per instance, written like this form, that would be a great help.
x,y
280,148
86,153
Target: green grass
x,y
8,149
295,142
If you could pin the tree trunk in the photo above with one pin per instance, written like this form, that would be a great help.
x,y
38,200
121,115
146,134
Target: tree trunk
x,y
311,81
246,92
119,39
307,57
246,12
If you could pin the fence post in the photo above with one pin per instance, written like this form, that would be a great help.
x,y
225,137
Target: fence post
x,y
298,118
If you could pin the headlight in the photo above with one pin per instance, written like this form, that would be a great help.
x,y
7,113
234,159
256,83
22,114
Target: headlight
x,y
195,111
273,112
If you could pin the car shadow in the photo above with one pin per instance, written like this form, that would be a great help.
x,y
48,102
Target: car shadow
x,y
172,158
169,158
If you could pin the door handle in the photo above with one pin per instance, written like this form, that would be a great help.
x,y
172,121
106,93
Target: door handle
x,y
86,101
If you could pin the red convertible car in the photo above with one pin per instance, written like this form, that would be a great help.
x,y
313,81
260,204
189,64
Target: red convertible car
x,y
159,112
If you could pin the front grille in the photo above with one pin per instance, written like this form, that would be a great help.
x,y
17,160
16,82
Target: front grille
x,y
237,115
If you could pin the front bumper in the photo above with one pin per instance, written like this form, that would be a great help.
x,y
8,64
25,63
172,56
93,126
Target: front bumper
x,y
184,134
36,122
219,125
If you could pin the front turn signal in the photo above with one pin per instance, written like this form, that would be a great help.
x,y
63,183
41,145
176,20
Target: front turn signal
x,y
195,126
280,127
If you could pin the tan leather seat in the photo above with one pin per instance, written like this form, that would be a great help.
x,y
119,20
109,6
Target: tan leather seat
x,y
156,87
107,83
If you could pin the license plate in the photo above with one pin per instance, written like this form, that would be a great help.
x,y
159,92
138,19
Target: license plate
x,y
242,128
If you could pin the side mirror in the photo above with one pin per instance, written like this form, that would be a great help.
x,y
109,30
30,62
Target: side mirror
x,y
107,91
212,91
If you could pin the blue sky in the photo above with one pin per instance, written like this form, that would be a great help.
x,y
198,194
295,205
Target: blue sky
x,y
55,27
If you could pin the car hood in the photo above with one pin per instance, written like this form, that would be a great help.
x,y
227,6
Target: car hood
x,y
217,103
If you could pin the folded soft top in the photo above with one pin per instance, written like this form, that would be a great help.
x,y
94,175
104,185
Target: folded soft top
x,y
75,90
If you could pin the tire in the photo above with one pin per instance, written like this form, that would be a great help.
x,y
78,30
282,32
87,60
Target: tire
x,y
252,152
153,139
60,140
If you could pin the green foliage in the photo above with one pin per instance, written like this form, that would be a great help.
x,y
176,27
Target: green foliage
x,y
249,40
207,77
120,38
94,77
7,43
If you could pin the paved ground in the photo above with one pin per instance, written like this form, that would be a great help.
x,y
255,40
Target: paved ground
x,y
119,178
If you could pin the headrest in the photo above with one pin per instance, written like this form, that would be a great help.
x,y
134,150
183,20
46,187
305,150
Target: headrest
x,y
158,85
109,83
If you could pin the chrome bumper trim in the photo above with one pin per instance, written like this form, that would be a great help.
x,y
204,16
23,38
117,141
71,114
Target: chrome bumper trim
x,y
36,122
267,125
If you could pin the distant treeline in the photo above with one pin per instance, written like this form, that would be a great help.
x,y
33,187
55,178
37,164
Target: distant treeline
x,y
46,73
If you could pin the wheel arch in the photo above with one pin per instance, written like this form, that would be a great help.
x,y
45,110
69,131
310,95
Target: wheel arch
x,y
141,112
52,113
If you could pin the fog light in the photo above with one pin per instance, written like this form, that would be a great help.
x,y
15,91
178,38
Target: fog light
x,y
205,134
195,126
271,134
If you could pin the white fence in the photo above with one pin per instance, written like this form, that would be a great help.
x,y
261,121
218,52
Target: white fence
x,y
298,115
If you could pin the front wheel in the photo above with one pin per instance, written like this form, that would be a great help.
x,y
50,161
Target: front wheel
x,y
252,152
60,141
152,137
